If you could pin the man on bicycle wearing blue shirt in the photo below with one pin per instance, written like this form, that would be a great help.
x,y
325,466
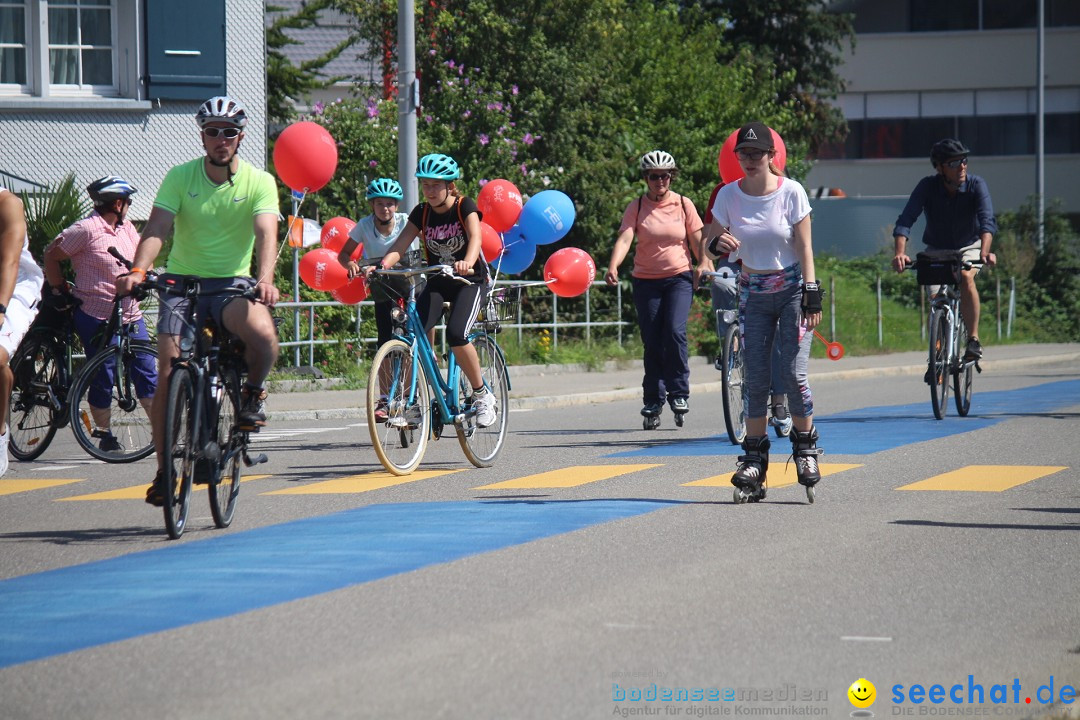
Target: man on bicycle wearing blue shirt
x,y
959,219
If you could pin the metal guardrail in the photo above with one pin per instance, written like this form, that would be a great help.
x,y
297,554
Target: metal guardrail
x,y
299,309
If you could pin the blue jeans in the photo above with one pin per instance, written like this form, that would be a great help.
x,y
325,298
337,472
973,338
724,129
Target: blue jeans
x,y
663,307
143,372
725,296
763,318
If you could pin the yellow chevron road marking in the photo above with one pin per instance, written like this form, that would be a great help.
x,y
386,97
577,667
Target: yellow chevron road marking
x,y
567,477
12,486
985,478
138,492
780,475
359,483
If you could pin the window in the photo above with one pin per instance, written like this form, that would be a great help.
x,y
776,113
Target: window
x,y
81,45
67,48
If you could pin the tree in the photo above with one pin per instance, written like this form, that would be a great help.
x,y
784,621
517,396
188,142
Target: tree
x,y
287,83
803,42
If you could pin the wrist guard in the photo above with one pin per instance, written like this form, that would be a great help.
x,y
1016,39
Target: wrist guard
x,y
713,248
811,298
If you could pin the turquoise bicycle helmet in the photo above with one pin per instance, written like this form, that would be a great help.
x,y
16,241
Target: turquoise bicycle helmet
x,y
384,188
437,167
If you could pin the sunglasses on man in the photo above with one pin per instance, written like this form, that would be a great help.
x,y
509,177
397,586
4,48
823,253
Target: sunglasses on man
x,y
953,164
213,132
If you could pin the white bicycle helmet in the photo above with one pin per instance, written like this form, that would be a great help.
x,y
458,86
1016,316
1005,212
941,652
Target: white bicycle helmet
x,y
221,109
109,188
657,160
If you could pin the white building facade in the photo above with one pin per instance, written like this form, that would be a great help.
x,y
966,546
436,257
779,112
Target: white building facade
x,y
100,87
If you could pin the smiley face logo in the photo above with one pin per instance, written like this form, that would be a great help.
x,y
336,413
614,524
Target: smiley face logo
x,y
862,693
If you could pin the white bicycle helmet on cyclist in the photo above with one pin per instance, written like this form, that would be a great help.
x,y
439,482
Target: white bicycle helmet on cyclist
x,y
657,160
221,108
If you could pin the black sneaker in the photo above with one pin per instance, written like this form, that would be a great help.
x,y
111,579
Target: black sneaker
x,y
974,350
251,416
109,443
155,494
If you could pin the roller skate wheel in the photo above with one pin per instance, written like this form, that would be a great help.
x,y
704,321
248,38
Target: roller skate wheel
x,y
678,420
810,494
739,497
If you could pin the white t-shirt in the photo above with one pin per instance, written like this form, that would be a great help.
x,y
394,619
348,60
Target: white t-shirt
x,y
30,277
376,245
763,225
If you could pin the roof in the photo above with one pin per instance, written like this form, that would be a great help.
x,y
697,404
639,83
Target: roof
x,y
331,28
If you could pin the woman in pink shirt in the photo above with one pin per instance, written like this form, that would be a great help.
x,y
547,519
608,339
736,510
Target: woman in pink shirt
x,y
668,230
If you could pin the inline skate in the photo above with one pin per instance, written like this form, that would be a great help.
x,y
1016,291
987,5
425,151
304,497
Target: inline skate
x,y
750,478
780,418
679,407
804,451
651,415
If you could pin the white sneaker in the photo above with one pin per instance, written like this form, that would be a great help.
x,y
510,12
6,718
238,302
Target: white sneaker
x,y
486,407
4,452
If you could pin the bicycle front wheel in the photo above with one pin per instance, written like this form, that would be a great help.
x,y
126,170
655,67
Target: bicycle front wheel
x,y
226,485
732,377
36,394
128,373
962,378
398,408
938,369
179,443
481,445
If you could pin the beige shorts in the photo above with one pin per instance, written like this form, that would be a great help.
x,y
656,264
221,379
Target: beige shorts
x,y
16,323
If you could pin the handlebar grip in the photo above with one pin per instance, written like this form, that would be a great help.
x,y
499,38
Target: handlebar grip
x,y
115,252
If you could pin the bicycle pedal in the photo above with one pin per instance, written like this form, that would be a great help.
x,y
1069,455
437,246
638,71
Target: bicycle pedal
x,y
257,460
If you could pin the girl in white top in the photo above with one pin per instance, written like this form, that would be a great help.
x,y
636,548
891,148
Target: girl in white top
x,y
763,220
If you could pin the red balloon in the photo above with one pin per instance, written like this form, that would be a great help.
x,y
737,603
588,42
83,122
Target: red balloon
x,y
320,269
569,272
358,252
490,242
305,156
731,170
351,292
500,203
335,232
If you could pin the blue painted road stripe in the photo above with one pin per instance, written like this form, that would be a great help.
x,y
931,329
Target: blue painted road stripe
x,y
870,430
72,608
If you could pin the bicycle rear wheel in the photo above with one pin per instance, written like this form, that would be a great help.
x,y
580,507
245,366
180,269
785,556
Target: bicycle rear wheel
x,y
732,381
481,445
36,395
128,436
938,370
226,485
962,378
397,384
179,444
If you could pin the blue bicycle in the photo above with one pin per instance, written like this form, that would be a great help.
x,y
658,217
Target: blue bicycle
x,y
409,400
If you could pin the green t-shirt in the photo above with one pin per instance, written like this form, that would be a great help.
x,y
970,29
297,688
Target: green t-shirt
x,y
213,229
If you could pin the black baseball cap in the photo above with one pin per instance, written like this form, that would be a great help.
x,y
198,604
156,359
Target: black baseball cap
x,y
754,135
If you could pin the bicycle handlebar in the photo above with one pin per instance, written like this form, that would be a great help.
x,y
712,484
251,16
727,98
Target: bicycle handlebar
x,y
447,270
964,265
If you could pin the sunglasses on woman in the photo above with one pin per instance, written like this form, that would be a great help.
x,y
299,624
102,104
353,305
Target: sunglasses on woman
x,y
751,155
657,177
213,132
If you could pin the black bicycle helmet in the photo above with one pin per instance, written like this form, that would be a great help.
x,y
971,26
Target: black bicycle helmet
x,y
111,187
221,109
437,167
384,188
945,149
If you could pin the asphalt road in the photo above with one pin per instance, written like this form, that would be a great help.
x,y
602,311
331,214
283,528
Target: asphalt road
x,y
606,565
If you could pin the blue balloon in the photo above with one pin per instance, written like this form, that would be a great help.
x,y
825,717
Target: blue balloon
x,y
547,217
517,254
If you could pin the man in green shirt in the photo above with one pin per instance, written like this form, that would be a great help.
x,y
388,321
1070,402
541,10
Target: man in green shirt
x,y
221,210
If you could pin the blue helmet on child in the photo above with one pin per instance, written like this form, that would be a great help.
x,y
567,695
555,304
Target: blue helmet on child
x,y
384,188
437,167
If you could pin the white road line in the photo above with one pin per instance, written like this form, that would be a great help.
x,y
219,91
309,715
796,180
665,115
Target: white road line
x,y
864,638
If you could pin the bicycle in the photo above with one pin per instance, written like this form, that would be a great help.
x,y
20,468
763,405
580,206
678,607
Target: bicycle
x,y
409,400
202,407
946,333
732,373
41,372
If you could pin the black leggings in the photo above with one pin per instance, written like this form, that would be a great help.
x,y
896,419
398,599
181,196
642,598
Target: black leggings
x,y
465,303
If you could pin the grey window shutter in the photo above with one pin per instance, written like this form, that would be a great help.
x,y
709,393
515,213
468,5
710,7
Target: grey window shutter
x,y
185,45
